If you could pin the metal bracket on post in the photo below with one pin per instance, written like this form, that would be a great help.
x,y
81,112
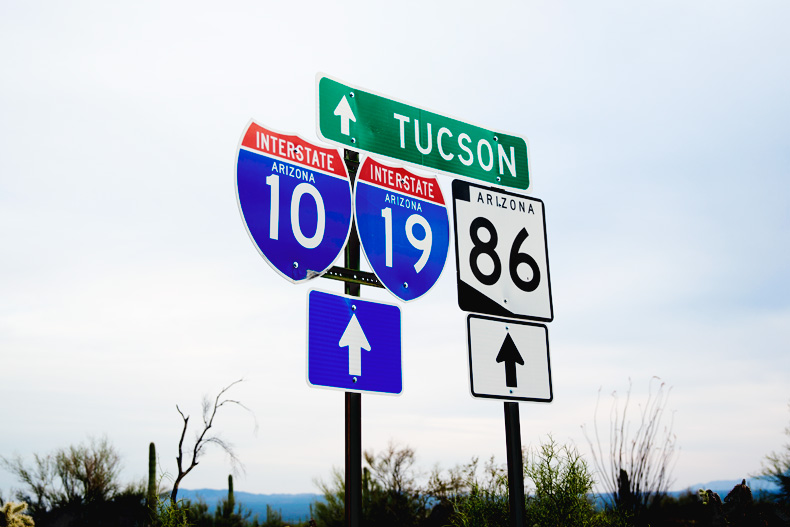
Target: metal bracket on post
x,y
515,465
355,276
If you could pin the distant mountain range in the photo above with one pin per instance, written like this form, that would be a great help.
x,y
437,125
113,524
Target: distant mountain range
x,y
723,486
293,507
296,507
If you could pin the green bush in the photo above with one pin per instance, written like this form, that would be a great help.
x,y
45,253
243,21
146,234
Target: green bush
x,y
776,469
470,495
390,494
563,487
169,514
480,501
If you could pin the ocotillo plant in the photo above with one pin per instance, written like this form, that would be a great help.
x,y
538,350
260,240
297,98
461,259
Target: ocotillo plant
x,y
150,497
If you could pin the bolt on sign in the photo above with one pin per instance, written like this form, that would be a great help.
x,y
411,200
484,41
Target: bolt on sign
x,y
360,119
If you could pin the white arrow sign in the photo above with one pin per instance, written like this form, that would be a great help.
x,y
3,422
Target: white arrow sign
x,y
355,339
343,111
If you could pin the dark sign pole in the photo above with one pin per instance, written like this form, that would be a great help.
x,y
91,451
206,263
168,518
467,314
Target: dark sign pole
x,y
353,492
353,459
515,465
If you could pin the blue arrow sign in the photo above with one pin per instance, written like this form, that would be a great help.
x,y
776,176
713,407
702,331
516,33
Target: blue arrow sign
x,y
403,227
295,199
353,344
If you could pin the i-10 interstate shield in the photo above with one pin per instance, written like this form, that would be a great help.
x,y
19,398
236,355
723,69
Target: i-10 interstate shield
x,y
295,200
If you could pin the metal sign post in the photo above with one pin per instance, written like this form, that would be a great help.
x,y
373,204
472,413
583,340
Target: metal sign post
x,y
353,495
515,465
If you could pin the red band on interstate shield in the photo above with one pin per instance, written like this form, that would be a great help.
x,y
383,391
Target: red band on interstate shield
x,y
400,180
294,149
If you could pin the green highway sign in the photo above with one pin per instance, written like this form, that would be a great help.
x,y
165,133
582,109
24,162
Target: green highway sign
x,y
363,120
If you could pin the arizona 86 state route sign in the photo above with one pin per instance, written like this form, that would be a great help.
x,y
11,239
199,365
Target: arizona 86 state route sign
x,y
295,200
501,253
403,227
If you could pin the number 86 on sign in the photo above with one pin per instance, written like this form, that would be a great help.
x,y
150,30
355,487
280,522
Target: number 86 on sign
x,y
501,253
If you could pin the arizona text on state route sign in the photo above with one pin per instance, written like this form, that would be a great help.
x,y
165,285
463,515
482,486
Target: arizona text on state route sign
x,y
362,120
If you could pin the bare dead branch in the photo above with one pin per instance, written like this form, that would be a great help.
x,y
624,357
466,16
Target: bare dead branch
x,y
204,437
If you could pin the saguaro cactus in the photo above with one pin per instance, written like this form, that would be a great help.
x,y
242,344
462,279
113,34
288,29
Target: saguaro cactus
x,y
231,498
150,497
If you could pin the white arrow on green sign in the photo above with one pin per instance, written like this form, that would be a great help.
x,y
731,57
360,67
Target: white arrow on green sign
x,y
358,119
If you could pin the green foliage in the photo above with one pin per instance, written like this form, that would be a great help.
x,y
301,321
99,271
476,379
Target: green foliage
x,y
38,478
88,472
331,511
228,513
563,486
776,468
477,501
225,515
470,495
393,497
13,515
390,495
169,514
68,477
273,518
197,514
561,497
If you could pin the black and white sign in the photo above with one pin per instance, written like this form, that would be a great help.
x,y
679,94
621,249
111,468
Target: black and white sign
x,y
501,253
509,359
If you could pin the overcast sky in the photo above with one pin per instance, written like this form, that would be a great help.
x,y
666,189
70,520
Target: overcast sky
x,y
660,145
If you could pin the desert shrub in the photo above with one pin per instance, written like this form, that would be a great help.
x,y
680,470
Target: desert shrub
x,y
169,514
562,487
390,493
480,500
68,477
470,495
776,468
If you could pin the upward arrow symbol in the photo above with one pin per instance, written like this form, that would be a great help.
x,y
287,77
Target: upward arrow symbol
x,y
343,111
355,339
509,354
